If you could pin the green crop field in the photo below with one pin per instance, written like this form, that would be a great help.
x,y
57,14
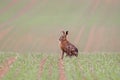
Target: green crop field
x,y
92,66
30,30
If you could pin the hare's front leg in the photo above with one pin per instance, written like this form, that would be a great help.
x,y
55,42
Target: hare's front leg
x,y
62,54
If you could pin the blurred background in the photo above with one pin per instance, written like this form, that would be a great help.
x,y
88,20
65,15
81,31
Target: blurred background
x,y
35,25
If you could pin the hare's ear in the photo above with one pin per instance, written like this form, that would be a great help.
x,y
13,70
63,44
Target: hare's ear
x,y
66,32
63,32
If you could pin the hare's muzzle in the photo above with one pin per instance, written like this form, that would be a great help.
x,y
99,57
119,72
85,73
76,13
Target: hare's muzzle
x,y
60,39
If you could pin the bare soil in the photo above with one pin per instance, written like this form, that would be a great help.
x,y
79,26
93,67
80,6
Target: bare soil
x,y
6,66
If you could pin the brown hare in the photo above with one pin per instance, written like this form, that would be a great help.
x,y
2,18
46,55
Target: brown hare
x,y
66,46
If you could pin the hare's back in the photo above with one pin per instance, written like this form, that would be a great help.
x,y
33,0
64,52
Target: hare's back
x,y
71,47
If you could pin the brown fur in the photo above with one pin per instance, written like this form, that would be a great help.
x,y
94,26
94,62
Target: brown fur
x,y
66,46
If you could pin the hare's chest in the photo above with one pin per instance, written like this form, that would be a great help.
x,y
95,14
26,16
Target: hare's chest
x,y
63,47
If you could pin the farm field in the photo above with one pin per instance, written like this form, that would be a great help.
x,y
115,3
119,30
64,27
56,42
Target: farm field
x,y
30,32
35,25
39,66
